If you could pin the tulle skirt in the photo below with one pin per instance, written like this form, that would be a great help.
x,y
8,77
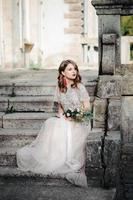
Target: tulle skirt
x,y
59,149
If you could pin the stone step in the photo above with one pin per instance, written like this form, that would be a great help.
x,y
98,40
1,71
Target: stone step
x,y
27,103
27,186
8,156
27,89
13,173
31,120
8,148
37,88
93,148
8,153
13,139
20,137
16,137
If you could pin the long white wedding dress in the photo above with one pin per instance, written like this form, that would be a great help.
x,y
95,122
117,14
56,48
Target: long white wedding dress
x,y
59,148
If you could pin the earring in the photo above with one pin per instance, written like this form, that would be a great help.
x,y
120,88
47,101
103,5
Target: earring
x,y
64,82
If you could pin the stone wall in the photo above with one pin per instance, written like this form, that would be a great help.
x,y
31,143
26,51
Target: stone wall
x,y
114,86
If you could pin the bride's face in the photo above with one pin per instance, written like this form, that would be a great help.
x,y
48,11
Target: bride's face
x,y
70,72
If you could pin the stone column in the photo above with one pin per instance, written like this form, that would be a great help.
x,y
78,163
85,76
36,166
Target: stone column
x,y
17,40
109,36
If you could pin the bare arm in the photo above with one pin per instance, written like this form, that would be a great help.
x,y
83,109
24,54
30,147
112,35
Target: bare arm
x,y
86,105
85,98
58,109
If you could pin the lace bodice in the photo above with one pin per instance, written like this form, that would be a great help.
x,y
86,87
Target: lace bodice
x,y
73,98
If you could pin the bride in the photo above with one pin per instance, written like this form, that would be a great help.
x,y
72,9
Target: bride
x,y
59,148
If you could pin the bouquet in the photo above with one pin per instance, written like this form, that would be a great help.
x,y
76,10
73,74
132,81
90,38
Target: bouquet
x,y
79,115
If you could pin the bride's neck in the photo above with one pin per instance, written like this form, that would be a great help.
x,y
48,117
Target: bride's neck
x,y
69,82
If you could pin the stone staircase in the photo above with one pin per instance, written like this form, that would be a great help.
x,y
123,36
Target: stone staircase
x,y
25,103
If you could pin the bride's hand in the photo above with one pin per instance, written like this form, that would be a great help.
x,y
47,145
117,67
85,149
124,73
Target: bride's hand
x,y
68,118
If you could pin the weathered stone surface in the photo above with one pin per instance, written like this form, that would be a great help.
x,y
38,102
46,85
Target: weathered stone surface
x,y
111,155
108,55
12,141
93,149
114,113
112,149
112,2
9,141
91,88
27,89
109,39
1,119
109,86
28,103
7,156
127,149
16,174
42,89
125,181
127,119
50,189
22,89
16,137
126,69
99,110
108,59
25,120
112,7
94,175
127,85
3,103
5,88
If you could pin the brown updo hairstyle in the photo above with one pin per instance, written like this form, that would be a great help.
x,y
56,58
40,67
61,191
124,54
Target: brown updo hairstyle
x,y
61,69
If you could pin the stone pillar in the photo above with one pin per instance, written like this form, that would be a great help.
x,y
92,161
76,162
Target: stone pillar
x,y
109,36
17,39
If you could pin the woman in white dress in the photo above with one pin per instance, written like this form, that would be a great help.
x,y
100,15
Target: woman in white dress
x,y
59,148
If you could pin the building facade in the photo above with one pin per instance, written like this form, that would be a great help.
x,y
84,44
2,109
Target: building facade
x,y
40,33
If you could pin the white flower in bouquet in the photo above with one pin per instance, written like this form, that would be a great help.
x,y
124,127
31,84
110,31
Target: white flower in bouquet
x,y
78,114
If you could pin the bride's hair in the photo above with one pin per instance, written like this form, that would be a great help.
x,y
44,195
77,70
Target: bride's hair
x,y
62,67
